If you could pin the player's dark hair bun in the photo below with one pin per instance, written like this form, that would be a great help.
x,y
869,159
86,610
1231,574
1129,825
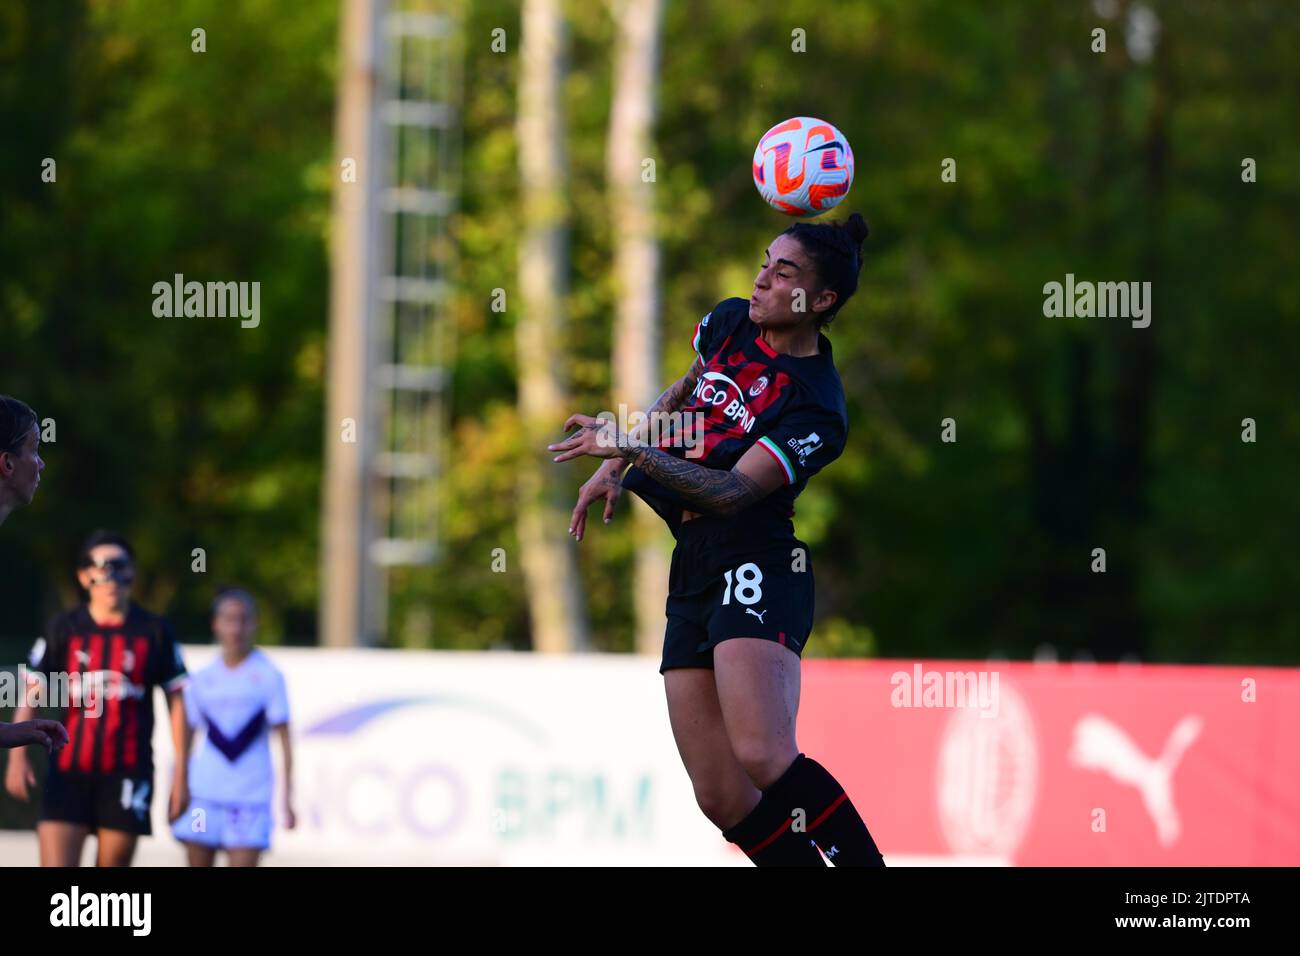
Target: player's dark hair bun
x,y
857,228
836,251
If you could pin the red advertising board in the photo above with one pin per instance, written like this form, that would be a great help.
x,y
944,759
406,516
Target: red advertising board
x,y
1034,764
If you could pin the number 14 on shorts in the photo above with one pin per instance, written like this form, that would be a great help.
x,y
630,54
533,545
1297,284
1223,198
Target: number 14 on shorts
x,y
135,797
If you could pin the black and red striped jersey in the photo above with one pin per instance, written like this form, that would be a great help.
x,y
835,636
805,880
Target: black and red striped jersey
x,y
111,671
792,407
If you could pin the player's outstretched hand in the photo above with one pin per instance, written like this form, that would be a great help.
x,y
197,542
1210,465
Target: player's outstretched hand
x,y
604,484
50,734
56,732
597,437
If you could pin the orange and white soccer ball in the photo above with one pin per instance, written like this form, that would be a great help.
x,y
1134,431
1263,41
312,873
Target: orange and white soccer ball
x,y
803,166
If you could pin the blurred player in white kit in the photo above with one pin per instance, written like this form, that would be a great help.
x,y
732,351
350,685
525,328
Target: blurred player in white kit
x,y
237,701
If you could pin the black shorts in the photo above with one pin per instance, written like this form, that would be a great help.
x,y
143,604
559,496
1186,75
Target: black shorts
x,y
725,585
99,801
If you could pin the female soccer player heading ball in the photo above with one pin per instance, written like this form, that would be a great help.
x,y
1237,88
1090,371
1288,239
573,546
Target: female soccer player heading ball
x,y
740,589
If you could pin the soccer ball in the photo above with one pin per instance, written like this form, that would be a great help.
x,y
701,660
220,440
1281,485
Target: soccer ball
x,y
803,167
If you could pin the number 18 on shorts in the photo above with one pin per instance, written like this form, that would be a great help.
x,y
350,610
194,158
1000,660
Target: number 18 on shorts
x,y
762,598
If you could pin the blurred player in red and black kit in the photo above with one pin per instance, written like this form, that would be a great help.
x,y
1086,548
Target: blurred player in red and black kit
x,y
20,474
740,589
102,782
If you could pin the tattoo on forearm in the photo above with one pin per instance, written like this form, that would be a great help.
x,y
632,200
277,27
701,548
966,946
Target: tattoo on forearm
x,y
674,397
707,489
677,394
671,398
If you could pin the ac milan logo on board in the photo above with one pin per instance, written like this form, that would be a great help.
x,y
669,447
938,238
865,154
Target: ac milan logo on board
x,y
987,778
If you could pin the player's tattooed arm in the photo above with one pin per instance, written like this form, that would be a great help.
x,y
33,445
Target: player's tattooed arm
x,y
704,489
679,393
711,490
676,396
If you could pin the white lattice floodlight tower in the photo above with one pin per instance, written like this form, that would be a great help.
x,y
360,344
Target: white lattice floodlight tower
x,y
391,342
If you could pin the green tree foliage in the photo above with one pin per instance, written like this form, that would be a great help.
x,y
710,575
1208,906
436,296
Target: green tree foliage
x,y
183,433
1072,434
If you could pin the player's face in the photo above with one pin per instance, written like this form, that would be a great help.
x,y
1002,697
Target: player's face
x,y
233,625
22,470
787,289
110,575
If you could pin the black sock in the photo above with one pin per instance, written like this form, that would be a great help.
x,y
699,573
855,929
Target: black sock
x,y
767,836
832,820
